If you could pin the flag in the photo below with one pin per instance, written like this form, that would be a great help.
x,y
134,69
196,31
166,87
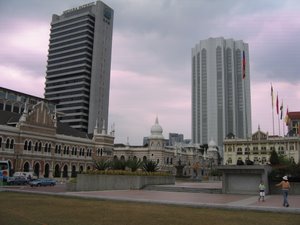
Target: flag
x,y
244,65
277,105
281,110
287,117
272,97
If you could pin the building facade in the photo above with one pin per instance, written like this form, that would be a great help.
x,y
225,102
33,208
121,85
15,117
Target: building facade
x,y
221,101
259,147
36,142
190,159
14,101
79,63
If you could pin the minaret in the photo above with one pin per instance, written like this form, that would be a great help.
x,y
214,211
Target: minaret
x,y
156,139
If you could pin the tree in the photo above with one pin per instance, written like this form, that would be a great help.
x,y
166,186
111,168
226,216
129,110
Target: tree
x,y
274,159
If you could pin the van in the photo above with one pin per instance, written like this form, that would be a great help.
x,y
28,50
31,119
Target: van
x,y
27,175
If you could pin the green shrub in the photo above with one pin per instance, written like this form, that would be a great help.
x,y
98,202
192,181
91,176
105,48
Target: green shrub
x,y
134,164
102,164
118,164
150,166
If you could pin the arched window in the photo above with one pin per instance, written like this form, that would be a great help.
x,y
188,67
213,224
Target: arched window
x,y
73,173
0,142
26,145
57,171
229,161
247,151
37,169
56,149
281,150
65,171
40,146
80,169
239,151
47,169
29,145
26,167
36,146
11,144
49,147
46,147
7,143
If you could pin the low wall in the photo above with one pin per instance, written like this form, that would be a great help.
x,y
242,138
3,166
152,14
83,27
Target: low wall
x,y
87,182
244,179
295,188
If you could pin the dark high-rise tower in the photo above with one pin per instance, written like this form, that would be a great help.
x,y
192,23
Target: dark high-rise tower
x,y
79,62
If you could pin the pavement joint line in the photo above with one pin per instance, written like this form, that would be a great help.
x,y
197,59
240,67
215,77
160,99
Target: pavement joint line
x,y
246,201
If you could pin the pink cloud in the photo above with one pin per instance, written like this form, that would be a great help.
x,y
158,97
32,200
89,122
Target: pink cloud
x,y
22,81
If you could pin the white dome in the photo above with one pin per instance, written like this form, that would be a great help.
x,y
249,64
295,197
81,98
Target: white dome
x,y
212,144
156,130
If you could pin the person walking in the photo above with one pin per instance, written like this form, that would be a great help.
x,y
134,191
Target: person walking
x,y
285,186
262,188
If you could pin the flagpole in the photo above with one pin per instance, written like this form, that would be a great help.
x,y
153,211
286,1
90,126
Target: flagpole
x,y
279,124
272,104
277,111
281,117
283,128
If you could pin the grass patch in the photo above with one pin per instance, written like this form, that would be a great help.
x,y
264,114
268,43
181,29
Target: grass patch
x,y
20,208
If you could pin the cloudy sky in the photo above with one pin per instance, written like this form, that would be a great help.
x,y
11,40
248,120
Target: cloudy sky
x,y
151,61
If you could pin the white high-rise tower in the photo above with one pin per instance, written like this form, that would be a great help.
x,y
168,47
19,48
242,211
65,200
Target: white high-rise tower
x,y
221,101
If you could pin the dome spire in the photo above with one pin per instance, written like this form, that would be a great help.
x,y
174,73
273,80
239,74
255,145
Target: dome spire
x,y
156,130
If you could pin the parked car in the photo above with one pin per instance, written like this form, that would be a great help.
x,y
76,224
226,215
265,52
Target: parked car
x,y
18,180
42,182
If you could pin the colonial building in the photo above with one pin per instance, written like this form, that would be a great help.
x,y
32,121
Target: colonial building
x,y
14,101
35,141
189,158
259,147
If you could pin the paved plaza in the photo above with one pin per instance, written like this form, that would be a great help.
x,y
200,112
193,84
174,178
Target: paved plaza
x,y
192,194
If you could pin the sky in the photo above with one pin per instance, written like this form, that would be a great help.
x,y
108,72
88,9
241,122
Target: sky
x,y
151,56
